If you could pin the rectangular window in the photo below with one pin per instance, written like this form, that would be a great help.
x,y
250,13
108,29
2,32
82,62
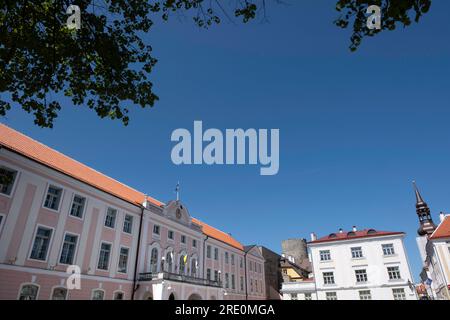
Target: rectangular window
x,y
110,220
128,224
357,252
233,284
251,265
208,252
183,239
232,259
123,260
242,283
394,273
325,255
241,263
216,254
331,296
388,249
41,244
399,294
216,275
68,249
361,275
156,229
194,243
227,280
294,296
53,198
308,296
226,257
7,178
103,259
365,295
328,278
251,285
208,274
77,208
170,234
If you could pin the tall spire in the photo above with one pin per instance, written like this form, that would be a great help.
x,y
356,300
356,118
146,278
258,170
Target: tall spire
x,y
423,212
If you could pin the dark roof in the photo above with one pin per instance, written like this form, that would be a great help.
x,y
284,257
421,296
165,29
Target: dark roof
x,y
348,235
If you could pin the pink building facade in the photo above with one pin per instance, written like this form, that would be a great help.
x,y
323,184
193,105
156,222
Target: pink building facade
x,y
63,224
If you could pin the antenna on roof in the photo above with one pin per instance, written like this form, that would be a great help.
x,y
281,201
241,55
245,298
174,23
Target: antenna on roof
x,y
177,190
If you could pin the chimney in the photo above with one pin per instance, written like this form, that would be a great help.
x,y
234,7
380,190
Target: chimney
x,y
340,230
442,217
354,228
313,236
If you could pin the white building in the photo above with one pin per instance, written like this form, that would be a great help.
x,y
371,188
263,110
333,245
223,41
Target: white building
x,y
366,265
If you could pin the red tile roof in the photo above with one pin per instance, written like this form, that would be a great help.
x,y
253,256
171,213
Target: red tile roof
x,y
24,145
219,235
443,230
347,235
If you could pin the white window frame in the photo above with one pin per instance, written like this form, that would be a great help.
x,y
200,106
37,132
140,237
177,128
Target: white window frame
x,y
325,254
50,242
98,289
360,274
402,293
397,272
118,291
364,294
2,221
357,252
84,208
109,259
156,235
55,185
128,259
331,295
13,188
74,253
28,284
328,276
391,248
59,287
132,223
115,218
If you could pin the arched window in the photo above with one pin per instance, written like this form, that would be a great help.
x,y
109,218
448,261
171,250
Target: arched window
x,y
154,261
194,266
28,292
98,294
118,295
182,264
169,261
59,294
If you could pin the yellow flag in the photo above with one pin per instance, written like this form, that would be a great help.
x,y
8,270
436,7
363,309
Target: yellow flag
x,y
185,259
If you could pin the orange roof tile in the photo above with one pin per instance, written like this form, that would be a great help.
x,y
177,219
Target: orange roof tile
x,y
443,230
219,235
39,152
20,143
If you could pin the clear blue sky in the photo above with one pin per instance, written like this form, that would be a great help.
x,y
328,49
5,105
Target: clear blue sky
x,y
355,128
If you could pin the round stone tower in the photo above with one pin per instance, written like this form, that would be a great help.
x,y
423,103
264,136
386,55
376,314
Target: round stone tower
x,y
297,249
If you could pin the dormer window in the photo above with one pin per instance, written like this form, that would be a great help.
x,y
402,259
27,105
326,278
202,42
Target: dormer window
x,y
371,231
351,234
332,235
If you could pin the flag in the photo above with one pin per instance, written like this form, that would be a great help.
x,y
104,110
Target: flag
x,y
185,259
428,281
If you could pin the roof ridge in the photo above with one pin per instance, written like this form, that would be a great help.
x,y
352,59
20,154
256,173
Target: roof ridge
x,y
78,162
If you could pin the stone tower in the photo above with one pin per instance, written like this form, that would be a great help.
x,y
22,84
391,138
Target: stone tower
x,y
297,249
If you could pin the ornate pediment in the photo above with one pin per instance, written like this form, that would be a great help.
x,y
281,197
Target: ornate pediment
x,y
176,211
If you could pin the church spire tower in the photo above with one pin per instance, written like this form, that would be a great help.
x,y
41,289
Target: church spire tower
x,y
423,212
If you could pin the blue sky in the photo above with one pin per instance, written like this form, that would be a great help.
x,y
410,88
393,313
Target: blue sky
x,y
355,128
